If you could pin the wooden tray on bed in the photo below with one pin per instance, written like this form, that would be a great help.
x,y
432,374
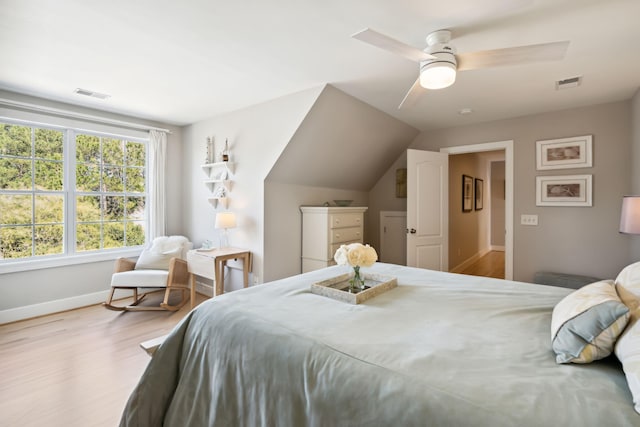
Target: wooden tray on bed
x,y
337,287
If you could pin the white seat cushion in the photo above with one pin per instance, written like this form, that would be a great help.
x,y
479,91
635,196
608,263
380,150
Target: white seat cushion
x,y
141,278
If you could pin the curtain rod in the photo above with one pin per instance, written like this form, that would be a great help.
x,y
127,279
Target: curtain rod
x,y
74,115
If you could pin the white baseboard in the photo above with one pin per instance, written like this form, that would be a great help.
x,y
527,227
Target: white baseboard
x,y
466,263
50,307
204,289
497,248
56,306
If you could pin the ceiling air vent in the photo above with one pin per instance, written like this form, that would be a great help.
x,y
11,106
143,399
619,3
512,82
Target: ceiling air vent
x,y
91,93
569,83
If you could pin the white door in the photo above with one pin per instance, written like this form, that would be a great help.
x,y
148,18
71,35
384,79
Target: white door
x,y
427,209
393,238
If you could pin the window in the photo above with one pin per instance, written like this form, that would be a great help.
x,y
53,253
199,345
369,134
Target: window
x,y
65,192
110,193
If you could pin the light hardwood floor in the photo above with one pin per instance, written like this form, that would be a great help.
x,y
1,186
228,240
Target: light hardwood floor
x,y
490,265
76,368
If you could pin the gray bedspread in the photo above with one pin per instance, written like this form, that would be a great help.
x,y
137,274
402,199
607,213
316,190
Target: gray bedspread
x,y
441,349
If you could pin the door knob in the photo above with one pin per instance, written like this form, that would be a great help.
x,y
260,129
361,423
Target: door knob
x,y
412,231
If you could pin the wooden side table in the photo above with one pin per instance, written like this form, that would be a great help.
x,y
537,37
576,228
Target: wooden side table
x,y
211,263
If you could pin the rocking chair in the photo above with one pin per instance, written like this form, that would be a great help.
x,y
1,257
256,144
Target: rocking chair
x,y
160,267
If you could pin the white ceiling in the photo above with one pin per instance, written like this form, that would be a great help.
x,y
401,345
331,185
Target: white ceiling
x,y
182,61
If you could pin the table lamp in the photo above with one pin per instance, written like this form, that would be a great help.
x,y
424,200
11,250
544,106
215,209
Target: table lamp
x,y
630,216
225,220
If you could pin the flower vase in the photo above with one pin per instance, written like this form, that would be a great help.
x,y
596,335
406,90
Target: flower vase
x,y
356,284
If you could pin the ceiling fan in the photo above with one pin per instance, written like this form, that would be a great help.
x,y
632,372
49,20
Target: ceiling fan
x,y
439,61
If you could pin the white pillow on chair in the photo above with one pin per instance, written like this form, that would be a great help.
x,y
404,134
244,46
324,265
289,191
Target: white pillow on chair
x,y
150,260
165,244
162,249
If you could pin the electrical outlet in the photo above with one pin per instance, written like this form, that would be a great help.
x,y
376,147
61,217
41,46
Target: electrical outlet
x,y
528,219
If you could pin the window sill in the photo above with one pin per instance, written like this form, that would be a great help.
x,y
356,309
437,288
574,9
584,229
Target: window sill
x,y
62,261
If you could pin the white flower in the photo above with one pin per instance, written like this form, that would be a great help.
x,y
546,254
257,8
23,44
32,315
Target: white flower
x,y
356,255
340,256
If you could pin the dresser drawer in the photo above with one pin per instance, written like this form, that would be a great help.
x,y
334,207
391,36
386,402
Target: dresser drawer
x,y
342,235
345,220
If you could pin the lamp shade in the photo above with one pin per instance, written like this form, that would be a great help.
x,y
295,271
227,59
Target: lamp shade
x,y
437,75
225,220
630,216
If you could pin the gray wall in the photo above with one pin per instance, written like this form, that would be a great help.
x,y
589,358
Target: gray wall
x,y
568,239
635,166
382,197
337,153
283,222
588,244
257,136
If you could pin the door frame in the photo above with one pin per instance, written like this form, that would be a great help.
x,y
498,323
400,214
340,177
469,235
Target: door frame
x,y
507,146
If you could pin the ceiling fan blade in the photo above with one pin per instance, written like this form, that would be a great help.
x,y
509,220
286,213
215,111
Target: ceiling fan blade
x,y
512,55
412,96
392,45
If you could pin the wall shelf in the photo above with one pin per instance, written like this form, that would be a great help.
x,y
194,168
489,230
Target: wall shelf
x,y
211,183
230,166
223,201
218,181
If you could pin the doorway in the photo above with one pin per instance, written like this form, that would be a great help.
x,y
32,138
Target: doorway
x,y
507,148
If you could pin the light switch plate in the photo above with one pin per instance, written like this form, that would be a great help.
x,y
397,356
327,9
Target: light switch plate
x,y
528,219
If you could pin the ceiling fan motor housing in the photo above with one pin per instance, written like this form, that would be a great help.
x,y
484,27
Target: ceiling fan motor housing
x,y
438,46
439,72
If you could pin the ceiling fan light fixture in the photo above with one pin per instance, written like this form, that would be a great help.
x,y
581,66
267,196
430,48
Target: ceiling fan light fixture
x,y
437,75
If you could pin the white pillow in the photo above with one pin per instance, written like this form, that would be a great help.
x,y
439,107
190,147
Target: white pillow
x,y
166,244
586,323
150,260
627,348
162,249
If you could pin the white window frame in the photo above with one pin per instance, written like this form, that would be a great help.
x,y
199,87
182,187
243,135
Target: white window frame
x,y
70,257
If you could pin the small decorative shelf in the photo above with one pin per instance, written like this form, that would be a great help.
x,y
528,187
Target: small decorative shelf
x,y
211,183
230,166
224,201
219,182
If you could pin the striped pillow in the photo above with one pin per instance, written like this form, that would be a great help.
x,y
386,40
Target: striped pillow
x,y
586,323
628,346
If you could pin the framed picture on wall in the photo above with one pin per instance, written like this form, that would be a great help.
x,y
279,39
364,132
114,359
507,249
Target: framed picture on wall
x,y
467,193
564,190
479,194
564,153
401,183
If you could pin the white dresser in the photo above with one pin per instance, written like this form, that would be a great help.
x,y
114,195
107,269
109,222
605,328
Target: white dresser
x,y
324,229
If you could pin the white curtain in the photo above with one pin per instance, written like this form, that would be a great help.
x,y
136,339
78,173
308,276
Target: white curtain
x,y
157,166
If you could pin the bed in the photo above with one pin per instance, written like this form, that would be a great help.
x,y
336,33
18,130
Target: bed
x,y
440,349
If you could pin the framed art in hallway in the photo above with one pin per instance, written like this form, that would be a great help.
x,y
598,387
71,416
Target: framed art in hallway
x,y
565,190
479,193
467,193
564,153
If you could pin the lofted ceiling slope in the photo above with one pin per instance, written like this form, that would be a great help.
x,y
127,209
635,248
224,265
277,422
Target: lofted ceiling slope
x,y
342,143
